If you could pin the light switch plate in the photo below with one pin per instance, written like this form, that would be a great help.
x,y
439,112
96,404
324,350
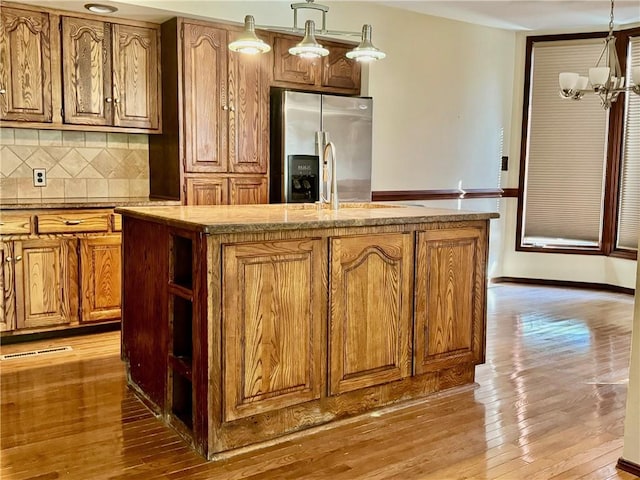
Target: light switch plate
x,y
39,177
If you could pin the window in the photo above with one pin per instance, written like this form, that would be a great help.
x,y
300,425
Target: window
x,y
580,176
629,201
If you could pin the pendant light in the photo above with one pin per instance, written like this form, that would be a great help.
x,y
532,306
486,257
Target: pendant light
x,y
309,46
365,51
248,41
605,77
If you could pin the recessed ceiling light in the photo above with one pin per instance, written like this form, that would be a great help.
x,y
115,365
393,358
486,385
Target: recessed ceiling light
x,y
98,8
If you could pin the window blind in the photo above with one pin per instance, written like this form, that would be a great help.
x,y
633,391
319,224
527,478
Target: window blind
x,y
629,212
566,151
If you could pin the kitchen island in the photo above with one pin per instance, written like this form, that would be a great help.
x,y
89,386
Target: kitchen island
x,y
244,323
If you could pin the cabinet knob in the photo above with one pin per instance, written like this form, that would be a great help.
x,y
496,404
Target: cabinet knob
x,y
232,108
3,91
18,258
8,259
116,100
225,108
108,99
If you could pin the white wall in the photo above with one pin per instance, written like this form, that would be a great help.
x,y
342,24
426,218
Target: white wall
x,y
580,268
631,450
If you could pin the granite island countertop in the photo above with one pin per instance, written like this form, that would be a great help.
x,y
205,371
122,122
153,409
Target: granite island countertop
x,y
83,202
273,217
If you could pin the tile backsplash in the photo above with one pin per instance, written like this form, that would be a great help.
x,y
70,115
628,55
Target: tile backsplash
x,y
78,164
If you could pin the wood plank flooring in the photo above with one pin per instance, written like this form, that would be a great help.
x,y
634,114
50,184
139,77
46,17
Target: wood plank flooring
x,y
548,404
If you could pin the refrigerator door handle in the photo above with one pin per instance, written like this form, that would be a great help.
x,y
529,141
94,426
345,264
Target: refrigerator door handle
x,y
319,144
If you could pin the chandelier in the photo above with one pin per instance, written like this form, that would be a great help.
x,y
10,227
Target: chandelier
x,y
605,79
308,47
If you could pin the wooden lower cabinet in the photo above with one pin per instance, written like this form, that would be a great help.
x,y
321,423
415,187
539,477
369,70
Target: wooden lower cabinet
x,y
7,290
39,280
273,312
450,298
248,190
370,310
100,278
213,190
206,191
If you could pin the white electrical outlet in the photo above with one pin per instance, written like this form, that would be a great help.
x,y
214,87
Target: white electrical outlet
x,y
39,177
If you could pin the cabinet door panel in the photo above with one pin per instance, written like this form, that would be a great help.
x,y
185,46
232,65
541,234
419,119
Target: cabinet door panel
x,y
8,304
45,278
135,76
86,71
206,191
25,66
248,191
100,278
450,292
249,113
205,98
340,72
291,68
273,313
370,316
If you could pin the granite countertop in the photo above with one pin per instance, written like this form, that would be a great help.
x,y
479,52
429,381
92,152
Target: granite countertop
x,y
252,218
96,202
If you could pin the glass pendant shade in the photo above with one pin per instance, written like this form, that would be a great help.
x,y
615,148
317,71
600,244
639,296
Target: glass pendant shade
x,y
248,42
568,80
309,47
365,51
598,76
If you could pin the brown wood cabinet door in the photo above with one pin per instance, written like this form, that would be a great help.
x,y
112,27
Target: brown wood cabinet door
x,y
289,68
43,269
100,277
370,310
207,191
248,190
272,325
450,292
248,113
86,71
135,76
340,72
25,66
8,304
204,99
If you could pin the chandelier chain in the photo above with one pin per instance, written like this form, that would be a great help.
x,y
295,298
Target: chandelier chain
x,y
611,20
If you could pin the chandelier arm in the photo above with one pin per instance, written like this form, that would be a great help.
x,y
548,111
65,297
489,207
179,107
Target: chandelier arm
x,y
334,33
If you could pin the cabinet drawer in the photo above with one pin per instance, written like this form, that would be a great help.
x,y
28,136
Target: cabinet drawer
x,y
19,223
116,222
73,222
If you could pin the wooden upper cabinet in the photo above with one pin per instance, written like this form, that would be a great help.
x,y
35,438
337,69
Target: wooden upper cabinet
x,y
273,310
449,298
289,68
248,113
205,99
335,72
135,76
370,310
25,66
338,71
110,74
86,68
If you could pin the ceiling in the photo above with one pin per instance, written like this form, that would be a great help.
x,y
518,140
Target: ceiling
x,y
529,14
507,14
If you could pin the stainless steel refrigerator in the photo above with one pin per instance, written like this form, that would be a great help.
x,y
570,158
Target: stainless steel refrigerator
x,y
301,124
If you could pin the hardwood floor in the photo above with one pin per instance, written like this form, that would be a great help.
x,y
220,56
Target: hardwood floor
x,y
548,404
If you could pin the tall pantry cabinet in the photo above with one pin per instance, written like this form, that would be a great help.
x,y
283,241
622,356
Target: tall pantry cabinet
x,y
214,149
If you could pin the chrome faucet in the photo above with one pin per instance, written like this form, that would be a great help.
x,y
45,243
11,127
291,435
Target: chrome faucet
x,y
330,185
